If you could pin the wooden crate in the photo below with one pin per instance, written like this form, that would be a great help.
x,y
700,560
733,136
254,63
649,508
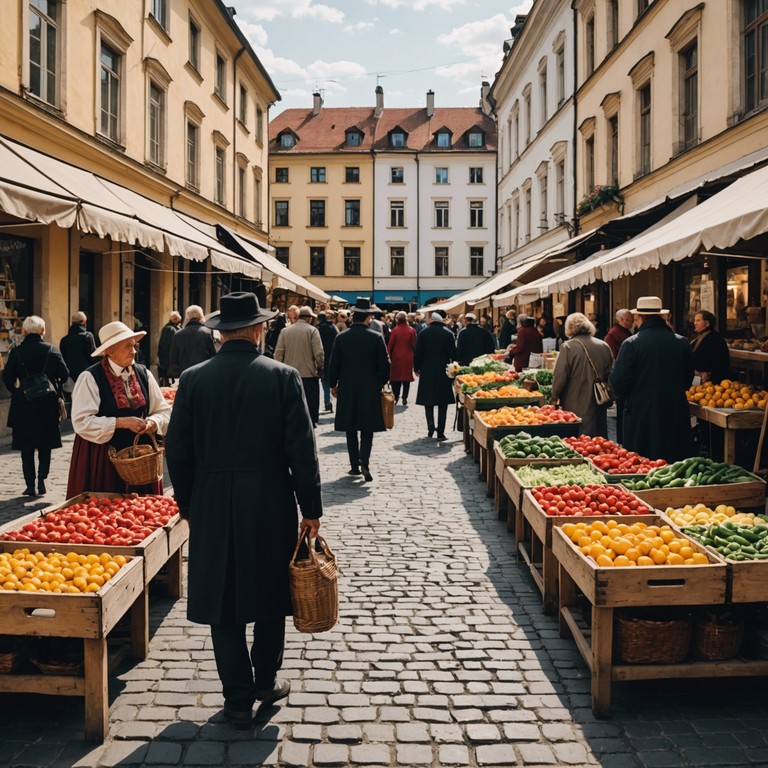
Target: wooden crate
x,y
473,403
751,494
508,461
90,616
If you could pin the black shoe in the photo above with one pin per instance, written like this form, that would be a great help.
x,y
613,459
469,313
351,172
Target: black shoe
x,y
279,690
405,401
40,487
430,433
367,476
29,491
242,719
328,408
354,471
441,436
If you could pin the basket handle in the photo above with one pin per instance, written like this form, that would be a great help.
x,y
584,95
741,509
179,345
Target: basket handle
x,y
151,437
304,534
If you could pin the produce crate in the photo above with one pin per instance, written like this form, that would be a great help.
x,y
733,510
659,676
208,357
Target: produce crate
x,y
90,616
472,403
508,461
750,494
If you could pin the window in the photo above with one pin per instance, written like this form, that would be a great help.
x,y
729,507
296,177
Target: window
x,y
442,139
156,125
352,261
317,213
689,66
283,254
43,48
317,175
351,213
441,214
517,222
287,140
194,44
589,45
159,11
354,138
352,175
259,124
475,175
516,124
441,175
527,117
527,212
396,175
397,139
397,261
589,163
281,213
109,123
220,176
543,94
475,139
193,155
644,97
441,260
560,69
613,23
257,201
281,175
560,190
396,213
476,260
220,82
755,53
613,150
476,214
543,203
241,192
243,113
317,260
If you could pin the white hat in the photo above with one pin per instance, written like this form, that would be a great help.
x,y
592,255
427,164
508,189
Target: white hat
x,y
437,317
113,333
306,311
471,316
649,305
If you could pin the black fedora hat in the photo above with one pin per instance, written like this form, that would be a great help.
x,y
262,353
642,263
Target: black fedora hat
x,y
238,310
363,304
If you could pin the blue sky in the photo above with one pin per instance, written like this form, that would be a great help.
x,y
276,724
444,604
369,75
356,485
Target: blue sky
x,y
339,47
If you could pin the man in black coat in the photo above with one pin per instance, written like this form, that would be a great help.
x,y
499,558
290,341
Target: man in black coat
x,y
328,333
435,348
358,369
77,345
170,329
241,453
473,341
652,372
508,329
193,344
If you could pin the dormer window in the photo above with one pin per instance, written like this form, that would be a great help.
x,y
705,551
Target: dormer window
x,y
354,138
287,140
397,138
475,138
443,138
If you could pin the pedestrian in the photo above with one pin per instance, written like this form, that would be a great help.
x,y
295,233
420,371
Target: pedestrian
x,y
238,472
711,359
402,343
301,347
34,423
621,330
378,324
273,334
76,348
435,348
167,333
560,334
292,314
113,401
544,327
328,333
342,320
193,344
473,341
528,342
358,370
582,360
508,329
651,375
487,325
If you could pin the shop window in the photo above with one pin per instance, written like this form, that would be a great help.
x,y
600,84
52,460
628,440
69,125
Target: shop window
x,y
737,298
15,289
352,261
44,43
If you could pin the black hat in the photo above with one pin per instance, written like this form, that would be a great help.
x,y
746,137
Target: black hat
x,y
238,310
363,305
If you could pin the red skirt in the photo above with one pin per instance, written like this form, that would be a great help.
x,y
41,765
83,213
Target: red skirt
x,y
91,470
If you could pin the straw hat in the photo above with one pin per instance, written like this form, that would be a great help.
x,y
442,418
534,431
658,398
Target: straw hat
x,y
649,305
113,333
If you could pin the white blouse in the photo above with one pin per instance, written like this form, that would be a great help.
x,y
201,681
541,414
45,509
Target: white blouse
x,y
99,429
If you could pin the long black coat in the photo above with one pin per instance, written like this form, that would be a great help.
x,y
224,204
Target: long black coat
x,y
359,367
651,375
328,333
508,330
241,452
473,342
34,425
76,348
193,344
711,356
435,348
164,347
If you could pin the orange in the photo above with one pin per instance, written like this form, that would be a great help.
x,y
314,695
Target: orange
x,y
622,561
686,552
632,554
604,561
674,559
643,560
699,558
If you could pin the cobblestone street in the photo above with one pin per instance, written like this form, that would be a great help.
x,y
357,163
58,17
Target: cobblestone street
x,y
442,656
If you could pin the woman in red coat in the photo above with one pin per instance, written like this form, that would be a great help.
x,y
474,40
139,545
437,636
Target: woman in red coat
x,y
402,343
528,341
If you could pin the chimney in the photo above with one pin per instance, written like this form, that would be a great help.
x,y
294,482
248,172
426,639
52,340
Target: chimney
x,y
485,102
430,103
379,102
317,104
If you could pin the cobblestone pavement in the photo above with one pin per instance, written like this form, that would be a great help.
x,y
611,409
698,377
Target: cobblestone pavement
x,y
442,657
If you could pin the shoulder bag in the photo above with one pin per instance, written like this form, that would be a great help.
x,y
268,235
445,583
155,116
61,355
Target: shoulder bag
x,y
37,386
601,389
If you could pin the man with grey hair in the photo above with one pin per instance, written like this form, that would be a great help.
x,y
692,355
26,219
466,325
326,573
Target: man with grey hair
x,y
191,345
76,346
170,329
508,329
622,329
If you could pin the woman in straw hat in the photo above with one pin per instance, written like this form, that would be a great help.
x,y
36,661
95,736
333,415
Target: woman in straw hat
x,y
112,402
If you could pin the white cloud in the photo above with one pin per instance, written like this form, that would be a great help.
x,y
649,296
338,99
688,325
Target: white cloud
x,y
478,38
395,31
256,34
298,9
328,70
417,5
361,26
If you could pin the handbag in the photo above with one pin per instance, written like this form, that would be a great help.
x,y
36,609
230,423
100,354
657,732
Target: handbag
x,y
601,389
388,406
314,583
37,386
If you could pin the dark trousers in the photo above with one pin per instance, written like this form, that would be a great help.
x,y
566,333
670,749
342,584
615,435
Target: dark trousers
x,y
28,465
359,452
442,413
312,394
326,393
396,389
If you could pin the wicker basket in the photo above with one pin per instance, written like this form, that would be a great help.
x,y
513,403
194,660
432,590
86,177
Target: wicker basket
x,y
647,641
314,586
58,656
717,642
13,653
139,464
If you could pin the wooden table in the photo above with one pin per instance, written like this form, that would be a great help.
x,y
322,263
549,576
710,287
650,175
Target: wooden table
x,y
756,363
730,421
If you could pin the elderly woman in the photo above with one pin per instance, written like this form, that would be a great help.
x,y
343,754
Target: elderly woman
x,y
528,342
401,346
113,401
710,352
583,359
35,423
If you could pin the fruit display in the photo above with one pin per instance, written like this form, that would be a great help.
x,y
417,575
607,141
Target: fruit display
x,y
531,415
728,394
562,474
25,571
689,473
584,500
610,457
611,543
736,542
525,446
504,391
121,522
748,345
472,382
169,394
701,514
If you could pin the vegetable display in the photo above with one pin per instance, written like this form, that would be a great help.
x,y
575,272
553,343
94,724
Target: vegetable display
x,y
542,377
530,415
525,446
563,474
611,543
582,500
727,394
701,514
611,458
691,472
737,542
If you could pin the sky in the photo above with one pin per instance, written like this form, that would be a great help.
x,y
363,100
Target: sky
x,y
345,48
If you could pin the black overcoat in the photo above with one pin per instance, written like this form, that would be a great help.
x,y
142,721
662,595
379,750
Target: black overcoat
x,y
711,356
435,348
328,333
359,367
652,372
34,425
76,348
473,342
193,344
241,452
164,347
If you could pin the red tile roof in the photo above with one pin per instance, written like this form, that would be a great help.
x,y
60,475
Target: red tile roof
x,y
326,132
